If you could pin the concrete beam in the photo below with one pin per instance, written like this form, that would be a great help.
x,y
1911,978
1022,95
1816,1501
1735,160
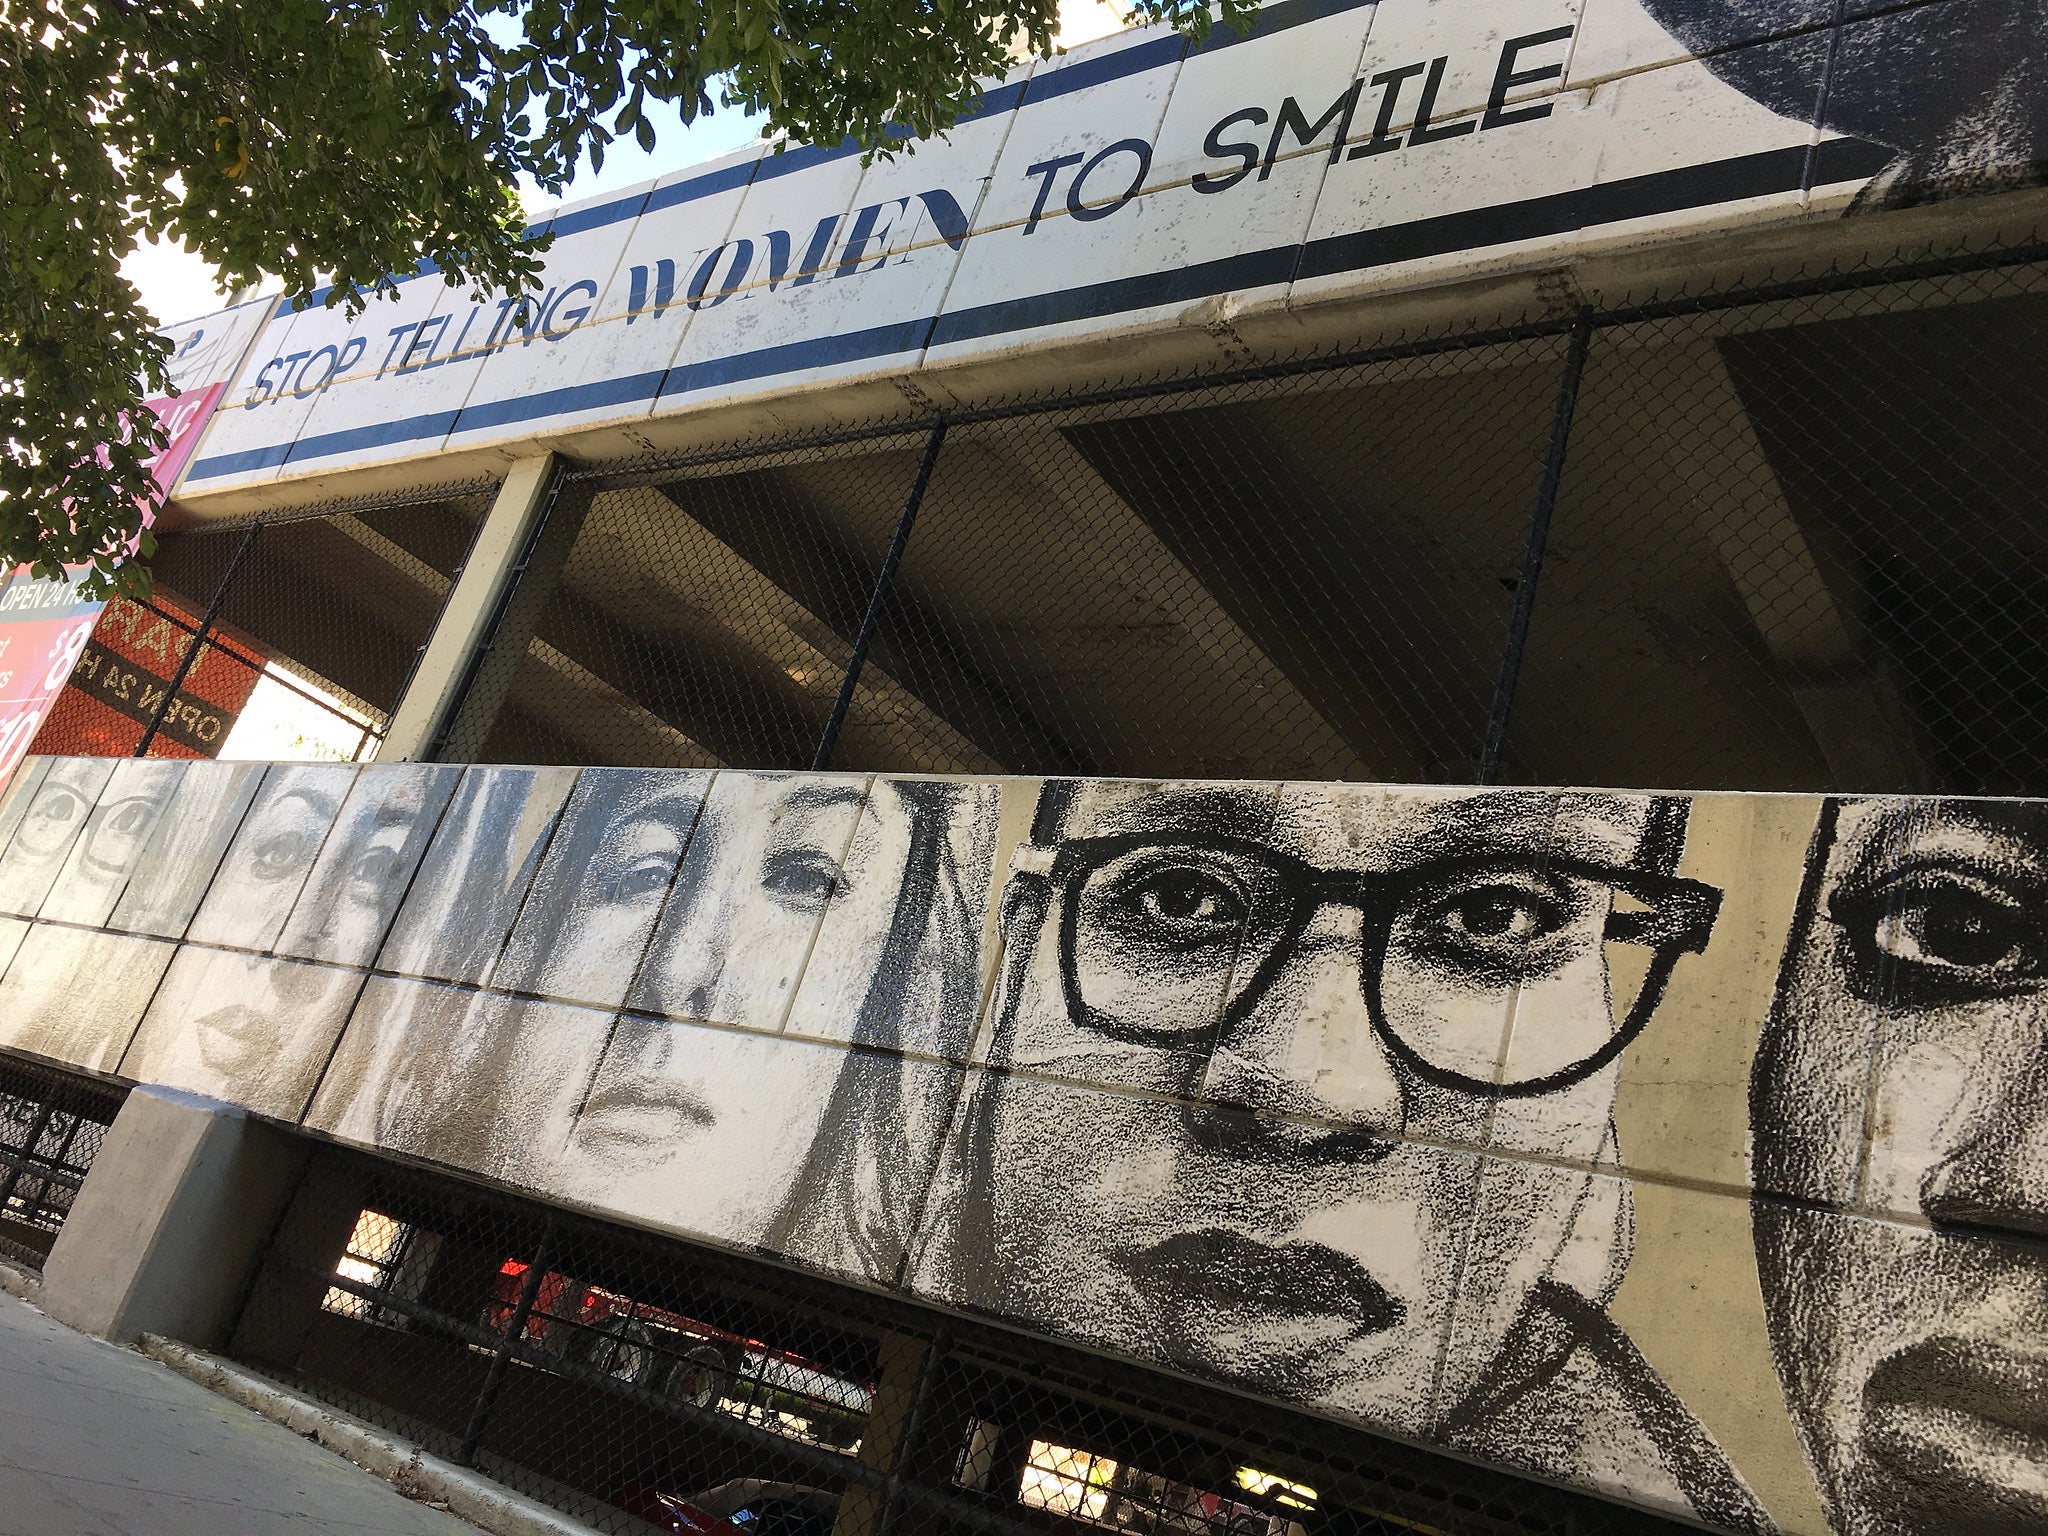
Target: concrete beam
x,y
1862,728
467,613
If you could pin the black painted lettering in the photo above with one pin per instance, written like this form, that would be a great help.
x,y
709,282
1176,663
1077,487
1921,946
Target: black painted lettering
x,y
1423,132
736,274
1075,193
869,229
947,216
1048,171
1506,78
1293,119
1383,140
1246,151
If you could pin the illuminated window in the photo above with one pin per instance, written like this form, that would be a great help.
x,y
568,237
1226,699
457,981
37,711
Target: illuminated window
x,y
377,1249
290,719
1066,1481
1119,1496
1278,1489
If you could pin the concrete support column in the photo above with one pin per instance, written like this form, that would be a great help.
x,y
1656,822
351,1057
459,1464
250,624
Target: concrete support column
x,y
1863,729
171,1220
888,1443
467,613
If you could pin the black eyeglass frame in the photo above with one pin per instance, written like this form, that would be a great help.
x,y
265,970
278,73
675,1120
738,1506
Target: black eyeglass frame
x,y
1677,918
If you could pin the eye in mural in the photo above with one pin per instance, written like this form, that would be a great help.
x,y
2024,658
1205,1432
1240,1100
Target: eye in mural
x,y
1909,1341
366,863
1297,1002
54,816
1957,91
266,865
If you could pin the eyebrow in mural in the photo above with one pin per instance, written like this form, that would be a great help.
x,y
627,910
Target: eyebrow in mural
x,y
1903,1076
1243,1031
1958,91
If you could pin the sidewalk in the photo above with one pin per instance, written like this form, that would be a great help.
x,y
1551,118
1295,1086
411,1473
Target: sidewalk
x,y
96,1440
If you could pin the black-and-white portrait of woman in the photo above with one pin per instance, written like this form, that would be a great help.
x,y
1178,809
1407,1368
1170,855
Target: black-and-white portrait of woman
x,y
1957,90
627,1050
1899,1130
709,1114
1249,1041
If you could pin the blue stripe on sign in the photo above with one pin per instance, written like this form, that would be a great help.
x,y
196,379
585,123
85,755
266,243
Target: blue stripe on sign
x,y
724,179
1228,274
222,464
1695,186
1120,65
1277,18
1779,170
378,434
596,217
816,352
557,402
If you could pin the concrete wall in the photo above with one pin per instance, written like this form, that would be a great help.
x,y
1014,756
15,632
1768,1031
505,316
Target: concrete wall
x,y
1693,1149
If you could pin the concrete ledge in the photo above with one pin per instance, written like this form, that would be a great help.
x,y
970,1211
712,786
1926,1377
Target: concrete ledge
x,y
25,1283
469,1495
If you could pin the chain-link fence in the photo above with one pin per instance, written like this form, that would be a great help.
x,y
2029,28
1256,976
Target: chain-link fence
x,y
51,1126
1792,534
643,1384
289,636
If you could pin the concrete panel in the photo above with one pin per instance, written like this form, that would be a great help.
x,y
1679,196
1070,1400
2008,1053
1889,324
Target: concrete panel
x,y
751,892
474,877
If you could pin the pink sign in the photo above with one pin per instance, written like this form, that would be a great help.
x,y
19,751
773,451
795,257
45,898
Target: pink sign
x,y
45,624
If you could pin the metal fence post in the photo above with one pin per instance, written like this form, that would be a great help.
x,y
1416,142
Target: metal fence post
x,y
1532,553
515,1330
907,1445
191,655
872,619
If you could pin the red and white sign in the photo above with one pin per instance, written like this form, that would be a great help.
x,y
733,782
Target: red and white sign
x,y
44,624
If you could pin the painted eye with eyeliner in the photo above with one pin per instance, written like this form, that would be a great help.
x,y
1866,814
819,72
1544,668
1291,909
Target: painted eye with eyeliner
x,y
1494,920
281,854
1176,905
50,820
376,868
800,878
642,877
1943,933
1959,923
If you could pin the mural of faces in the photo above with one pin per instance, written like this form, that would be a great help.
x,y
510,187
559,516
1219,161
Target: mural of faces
x,y
1913,1344
698,902
1299,998
1317,1090
1959,90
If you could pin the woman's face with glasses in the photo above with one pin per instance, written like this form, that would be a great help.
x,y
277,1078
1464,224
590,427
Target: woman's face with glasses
x,y
1304,995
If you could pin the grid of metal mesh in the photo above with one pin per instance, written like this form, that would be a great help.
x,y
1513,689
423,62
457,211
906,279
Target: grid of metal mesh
x,y
651,1385
1789,535
281,637
51,1126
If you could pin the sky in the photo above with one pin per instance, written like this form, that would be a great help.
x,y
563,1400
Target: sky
x,y
176,285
